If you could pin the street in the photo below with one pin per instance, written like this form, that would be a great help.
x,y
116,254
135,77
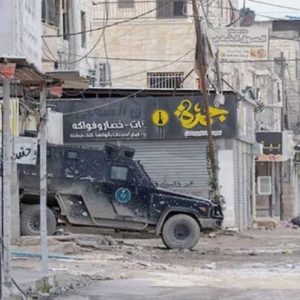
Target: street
x,y
259,264
177,289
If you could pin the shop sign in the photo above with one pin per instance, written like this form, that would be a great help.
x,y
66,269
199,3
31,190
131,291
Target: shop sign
x,y
277,146
270,158
145,118
240,43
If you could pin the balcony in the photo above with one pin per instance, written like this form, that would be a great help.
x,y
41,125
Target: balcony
x,y
128,9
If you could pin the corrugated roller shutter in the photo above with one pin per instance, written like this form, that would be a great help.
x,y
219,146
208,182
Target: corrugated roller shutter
x,y
174,164
242,166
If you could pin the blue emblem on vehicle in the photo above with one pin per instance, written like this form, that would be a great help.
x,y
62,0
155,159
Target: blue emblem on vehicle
x,y
123,195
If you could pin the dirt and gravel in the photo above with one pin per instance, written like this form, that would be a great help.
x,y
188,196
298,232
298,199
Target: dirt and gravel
x,y
252,263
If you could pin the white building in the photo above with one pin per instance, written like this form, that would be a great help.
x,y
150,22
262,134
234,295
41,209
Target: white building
x,y
66,38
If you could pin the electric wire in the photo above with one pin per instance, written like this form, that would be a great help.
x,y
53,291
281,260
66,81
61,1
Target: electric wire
x,y
109,25
156,68
112,102
275,5
240,16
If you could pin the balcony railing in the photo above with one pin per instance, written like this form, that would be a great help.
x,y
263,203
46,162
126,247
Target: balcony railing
x,y
127,9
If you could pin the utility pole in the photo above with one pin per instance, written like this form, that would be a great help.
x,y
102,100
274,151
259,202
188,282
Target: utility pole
x,y
283,126
43,180
200,63
7,153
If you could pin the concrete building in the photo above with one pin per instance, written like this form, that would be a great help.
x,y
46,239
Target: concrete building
x,y
284,61
151,44
174,152
66,53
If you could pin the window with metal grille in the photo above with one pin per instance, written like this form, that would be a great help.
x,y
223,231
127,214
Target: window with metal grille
x,y
125,4
166,80
167,9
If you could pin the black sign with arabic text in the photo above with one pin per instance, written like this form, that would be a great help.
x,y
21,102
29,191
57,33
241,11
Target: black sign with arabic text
x,y
89,120
271,141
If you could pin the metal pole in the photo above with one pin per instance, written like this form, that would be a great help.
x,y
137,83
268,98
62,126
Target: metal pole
x,y
218,71
43,180
7,152
200,61
283,125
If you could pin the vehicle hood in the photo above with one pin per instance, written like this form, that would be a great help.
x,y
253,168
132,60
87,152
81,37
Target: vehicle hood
x,y
165,192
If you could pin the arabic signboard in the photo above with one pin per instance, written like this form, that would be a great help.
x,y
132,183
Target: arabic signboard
x,y
277,146
24,150
103,119
90,120
236,43
187,118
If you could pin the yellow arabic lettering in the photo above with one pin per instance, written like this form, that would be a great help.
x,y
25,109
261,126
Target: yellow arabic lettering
x,y
190,120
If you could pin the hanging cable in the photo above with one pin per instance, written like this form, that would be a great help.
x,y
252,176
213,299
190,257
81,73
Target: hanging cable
x,y
109,25
240,16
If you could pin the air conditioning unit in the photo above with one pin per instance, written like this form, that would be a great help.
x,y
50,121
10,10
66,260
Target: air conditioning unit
x,y
92,76
100,75
104,79
264,185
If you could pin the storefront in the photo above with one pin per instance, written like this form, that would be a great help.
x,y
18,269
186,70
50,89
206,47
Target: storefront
x,y
169,134
275,175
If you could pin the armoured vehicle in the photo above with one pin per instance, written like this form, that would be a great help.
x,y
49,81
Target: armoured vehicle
x,y
107,188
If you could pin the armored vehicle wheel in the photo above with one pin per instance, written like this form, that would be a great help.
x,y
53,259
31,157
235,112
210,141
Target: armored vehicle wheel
x,y
181,232
30,221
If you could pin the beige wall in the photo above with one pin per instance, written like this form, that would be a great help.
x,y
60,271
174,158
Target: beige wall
x,y
148,47
149,44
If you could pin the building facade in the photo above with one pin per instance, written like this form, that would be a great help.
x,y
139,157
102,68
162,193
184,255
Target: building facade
x,y
169,133
284,62
151,44
64,49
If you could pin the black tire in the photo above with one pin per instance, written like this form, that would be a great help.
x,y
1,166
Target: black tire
x,y
30,221
181,232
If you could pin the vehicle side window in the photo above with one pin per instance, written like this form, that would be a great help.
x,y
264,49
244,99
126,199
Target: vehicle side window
x,y
119,173
71,154
48,152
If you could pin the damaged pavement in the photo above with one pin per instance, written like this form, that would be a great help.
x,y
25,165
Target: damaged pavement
x,y
260,264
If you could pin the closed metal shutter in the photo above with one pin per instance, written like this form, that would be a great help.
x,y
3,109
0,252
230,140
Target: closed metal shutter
x,y
174,164
243,184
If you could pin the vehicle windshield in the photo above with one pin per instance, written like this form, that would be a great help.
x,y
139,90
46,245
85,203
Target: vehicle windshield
x,y
143,171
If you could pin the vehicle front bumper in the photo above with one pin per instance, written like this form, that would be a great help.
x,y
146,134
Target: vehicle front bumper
x,y
215,224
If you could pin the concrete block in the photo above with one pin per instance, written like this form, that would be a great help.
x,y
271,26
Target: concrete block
x,y
45,284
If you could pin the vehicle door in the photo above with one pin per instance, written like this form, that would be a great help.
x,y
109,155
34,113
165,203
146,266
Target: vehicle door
x,y
129,196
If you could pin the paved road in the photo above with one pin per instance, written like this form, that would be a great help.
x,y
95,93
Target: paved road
x,y
150,290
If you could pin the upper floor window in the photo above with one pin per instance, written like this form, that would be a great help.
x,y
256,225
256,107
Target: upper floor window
x,y
51,12
66,28
83,29
125,4
167,9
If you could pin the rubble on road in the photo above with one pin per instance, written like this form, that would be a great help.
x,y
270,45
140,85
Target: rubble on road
x,y
99,257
